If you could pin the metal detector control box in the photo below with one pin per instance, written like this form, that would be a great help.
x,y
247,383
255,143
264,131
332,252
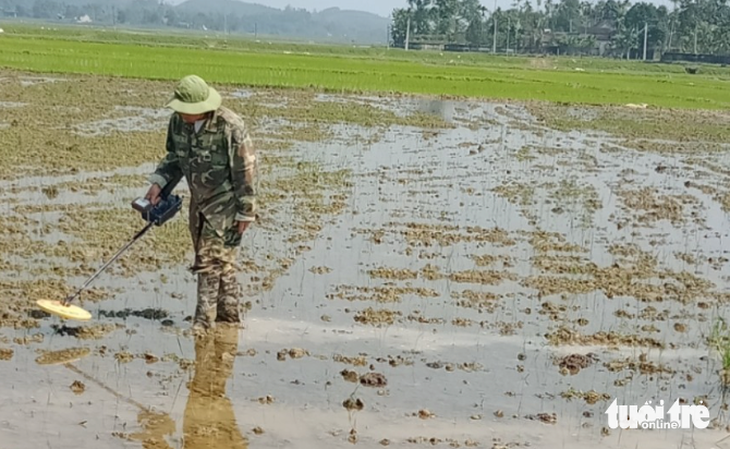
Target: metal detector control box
x,y
162,212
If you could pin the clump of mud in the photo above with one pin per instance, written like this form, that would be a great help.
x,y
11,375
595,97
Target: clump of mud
x,y
393,273
543,242
565,336
35,338
375,317
481,301
590,397
293,353
353,404
417,317
573,363
61,356
78,387
448,366
642,366
268,399
450,442
547,418
394,361
6,354
486,260
381,294
95,332
350,375
149,314
375,380
427,235
360,360
124,357
484,277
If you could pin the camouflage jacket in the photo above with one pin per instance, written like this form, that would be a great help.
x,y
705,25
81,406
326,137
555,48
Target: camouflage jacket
x,y
218,163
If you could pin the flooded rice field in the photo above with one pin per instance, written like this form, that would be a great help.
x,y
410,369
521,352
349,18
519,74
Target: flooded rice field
x,y
426,273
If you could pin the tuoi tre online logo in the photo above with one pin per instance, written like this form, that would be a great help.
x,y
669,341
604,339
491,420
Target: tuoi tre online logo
x,y
650,416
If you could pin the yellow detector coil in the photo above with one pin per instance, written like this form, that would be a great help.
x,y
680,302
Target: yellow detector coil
x,y
70,312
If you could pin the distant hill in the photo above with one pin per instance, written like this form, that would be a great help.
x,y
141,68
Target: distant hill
x,y
81,3
234,7
363,25
329,24
231,16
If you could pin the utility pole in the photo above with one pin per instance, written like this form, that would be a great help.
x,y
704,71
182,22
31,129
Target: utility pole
x,y
494,38
408,31
509,27
671,30
645,35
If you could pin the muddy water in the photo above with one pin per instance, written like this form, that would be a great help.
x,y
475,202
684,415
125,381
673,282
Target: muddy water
x,y
133,119
466,263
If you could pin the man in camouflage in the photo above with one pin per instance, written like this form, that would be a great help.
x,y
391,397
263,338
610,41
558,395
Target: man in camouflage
x,y
210,146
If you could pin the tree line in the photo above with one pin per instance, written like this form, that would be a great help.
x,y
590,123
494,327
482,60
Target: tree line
x,y
689,26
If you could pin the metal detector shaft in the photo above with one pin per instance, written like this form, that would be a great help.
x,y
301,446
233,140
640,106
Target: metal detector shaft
x,y
105,387
104,267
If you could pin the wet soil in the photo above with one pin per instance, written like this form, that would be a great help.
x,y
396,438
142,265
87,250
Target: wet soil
x,y
424,273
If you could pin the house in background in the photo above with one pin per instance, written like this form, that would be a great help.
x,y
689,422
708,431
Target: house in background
x,y
594,40
604,32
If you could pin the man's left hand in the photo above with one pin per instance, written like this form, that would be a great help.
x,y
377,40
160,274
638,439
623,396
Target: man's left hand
x,y
242,226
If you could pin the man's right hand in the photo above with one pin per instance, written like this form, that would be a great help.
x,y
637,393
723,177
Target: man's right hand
x,y
153,194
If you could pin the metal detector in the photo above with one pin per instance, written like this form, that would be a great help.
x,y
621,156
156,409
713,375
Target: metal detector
x,y
155,215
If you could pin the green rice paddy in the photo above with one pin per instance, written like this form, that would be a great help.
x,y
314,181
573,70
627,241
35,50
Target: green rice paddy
x,y
247,62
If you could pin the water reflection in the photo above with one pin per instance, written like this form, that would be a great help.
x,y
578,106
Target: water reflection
x,y
209,420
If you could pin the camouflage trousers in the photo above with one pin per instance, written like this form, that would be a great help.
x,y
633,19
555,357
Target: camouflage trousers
x,y
215,266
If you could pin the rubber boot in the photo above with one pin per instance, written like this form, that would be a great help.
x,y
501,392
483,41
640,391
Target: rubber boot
x,y
205,310
228,305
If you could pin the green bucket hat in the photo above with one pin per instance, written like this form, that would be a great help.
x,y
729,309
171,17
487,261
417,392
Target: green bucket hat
x,y
193,96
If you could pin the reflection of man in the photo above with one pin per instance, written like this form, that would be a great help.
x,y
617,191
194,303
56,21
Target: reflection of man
x,y
209,421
